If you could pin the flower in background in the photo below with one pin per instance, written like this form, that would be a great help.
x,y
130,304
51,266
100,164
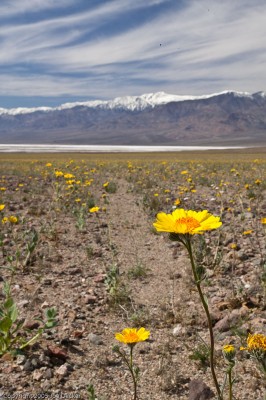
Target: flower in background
x,y
248,232
2,206
94,209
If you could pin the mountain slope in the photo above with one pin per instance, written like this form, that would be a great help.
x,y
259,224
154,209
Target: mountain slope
x,y
227,117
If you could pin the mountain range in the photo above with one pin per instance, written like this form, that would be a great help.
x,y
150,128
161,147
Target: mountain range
x,y
226,118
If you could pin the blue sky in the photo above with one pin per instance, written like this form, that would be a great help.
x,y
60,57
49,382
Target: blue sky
x,y
58,51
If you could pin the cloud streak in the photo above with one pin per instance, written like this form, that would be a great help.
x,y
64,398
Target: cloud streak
x,y
120,47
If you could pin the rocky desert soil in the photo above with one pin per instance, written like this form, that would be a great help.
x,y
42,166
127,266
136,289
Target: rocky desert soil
x,y
107,270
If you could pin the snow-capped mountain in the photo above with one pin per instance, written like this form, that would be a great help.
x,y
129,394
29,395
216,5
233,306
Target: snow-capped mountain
x,y
153,118
132,103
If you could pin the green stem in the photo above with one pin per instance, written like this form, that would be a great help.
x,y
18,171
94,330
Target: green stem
x,y
230,383
206,309
132,372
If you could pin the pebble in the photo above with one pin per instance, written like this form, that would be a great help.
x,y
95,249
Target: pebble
x,y
179,330
95,339
62,371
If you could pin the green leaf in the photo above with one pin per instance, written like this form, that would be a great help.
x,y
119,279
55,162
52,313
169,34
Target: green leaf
x,y
3,345
14,313
8,303
5,325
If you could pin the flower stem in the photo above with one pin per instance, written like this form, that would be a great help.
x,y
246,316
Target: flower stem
x,y
206,309
230,383
132,372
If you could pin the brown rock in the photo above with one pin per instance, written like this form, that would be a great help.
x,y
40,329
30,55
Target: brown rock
x,y
198,390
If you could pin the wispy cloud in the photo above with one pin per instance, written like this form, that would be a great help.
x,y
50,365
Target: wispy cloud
x,y
120,47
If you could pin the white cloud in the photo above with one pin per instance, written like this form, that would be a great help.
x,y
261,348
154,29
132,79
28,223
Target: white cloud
x,y
206,46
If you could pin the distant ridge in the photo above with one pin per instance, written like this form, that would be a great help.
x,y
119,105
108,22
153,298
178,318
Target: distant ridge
x,y
229,117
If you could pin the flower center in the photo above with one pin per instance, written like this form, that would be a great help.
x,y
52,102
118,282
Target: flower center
x,y
189,222
132,337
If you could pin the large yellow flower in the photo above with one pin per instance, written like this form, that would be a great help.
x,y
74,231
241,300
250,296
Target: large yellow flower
x,y
132,335
186,222
257,341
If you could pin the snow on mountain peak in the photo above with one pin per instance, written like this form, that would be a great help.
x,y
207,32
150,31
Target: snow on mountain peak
x,y
132,103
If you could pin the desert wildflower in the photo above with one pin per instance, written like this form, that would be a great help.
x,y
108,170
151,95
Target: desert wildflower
x,y
181,225
2,206
13,220
256,346
131,336
4,220
177,202
248,232
229,352
94,209
258,181
59,173
263,220
184,172
186,222
256,341
105,184
48,164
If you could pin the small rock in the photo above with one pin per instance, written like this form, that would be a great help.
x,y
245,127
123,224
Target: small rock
x,y
37,375
48,374
89,299
31,325
57,352
198,390
99,278
44,305
21,359
27,366
62,371
178,330
95,339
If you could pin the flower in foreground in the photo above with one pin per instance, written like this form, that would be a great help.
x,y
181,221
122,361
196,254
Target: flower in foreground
x,y
182,221
131,336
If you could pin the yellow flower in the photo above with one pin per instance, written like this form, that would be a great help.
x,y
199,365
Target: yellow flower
x,y
229,352
13,219
3,189
258,181
167,191
59,173
2,206
263,220
182,222
132,336
256,341
177,202
94,209
105,184
48,164
233,246
156,195
184,172
4,220
248,232
69,176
